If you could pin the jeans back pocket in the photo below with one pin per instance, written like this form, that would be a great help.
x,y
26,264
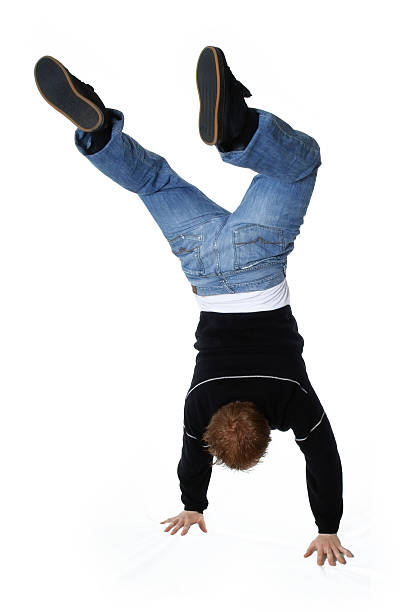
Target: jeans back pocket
x,y
187,248
256,244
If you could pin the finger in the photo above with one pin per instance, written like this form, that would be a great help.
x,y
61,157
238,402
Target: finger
x,y
170,526
330,557
310,550
186,528
346,551
162,522
202,525
339,555
321,557
177,527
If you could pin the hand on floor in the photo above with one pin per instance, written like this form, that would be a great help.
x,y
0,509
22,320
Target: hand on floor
x,y
185,519
328,545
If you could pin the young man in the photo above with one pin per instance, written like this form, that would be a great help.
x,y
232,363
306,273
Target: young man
x,y
249,376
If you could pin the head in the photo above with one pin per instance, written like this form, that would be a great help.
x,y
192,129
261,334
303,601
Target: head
x,y
238,435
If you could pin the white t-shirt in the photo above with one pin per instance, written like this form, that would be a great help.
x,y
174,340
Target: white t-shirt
x,y
248,301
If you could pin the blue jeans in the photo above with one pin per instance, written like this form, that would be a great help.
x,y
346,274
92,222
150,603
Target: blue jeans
x,y
219,251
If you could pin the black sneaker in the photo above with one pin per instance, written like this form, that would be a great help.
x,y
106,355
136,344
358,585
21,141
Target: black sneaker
x,y
68,95
225,119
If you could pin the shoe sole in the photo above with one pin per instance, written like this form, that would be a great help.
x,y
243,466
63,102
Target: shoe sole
x,y
56,87
210,81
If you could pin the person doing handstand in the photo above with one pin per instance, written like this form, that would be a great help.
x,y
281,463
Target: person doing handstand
x,y
249,376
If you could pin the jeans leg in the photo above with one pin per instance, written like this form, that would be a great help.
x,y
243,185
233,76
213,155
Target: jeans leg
x,y
267,221
175,204
277,150
188,219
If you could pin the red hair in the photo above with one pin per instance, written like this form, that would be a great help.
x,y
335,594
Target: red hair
x,y
238,435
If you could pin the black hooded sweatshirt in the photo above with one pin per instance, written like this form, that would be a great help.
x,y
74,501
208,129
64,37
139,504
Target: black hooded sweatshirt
x,y
257,356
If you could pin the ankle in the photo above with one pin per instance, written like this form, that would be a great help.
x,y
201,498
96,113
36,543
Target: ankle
x,y
245,136
101,136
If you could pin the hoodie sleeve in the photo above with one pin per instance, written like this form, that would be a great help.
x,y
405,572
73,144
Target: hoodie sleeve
x,y
324,478
194,472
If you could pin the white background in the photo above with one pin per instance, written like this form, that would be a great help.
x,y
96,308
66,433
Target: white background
x,y
98,320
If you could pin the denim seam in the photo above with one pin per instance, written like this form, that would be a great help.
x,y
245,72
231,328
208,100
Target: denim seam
x,y
216,244
261,282
192,227
260,266
256,283
237,273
